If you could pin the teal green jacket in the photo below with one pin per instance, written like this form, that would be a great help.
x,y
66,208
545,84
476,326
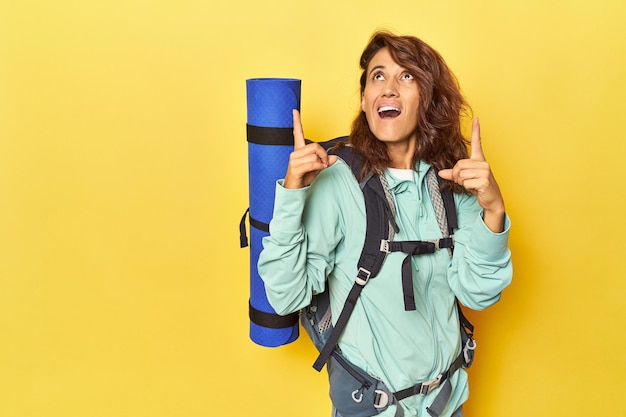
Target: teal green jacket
x,y
317,232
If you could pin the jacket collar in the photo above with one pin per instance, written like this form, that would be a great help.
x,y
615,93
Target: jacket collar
x,y
398,186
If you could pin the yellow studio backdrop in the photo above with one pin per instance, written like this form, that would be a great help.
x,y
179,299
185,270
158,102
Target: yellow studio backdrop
x,y
123,177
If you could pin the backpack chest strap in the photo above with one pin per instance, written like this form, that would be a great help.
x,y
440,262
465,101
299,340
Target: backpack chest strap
x,y
413,248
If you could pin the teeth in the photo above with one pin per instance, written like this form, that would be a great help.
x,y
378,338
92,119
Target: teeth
x,y
387,108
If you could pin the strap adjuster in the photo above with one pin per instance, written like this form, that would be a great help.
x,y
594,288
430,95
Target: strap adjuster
x,y
362,276
446,242
381,399
437,243
384,246
428,386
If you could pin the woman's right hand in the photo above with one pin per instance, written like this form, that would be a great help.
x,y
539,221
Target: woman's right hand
x,y
306,161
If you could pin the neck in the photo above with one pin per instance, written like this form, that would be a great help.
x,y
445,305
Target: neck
x,y
401,154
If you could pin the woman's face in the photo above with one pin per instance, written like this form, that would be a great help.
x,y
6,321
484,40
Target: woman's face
x,y
390,100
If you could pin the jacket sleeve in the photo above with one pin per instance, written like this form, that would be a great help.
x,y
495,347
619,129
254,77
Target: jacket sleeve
x,y
299,253
481,266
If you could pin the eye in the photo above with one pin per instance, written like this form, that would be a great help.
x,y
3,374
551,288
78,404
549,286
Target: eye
x,y
407,76
378,76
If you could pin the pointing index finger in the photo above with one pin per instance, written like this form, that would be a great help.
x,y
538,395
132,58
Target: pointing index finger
x,y
477,146
298,133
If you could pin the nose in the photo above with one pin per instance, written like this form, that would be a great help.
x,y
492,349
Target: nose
x,y
391,88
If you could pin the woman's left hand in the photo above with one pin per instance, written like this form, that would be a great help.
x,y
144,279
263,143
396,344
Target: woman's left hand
x,y
475,175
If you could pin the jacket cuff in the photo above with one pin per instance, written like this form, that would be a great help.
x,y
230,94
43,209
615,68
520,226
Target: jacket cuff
x,y
288,208
487,244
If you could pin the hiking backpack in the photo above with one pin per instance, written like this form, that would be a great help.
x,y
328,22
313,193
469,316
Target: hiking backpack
x,y
354,392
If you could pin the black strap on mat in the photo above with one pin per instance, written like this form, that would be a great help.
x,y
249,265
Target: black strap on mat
x,y
243,236
257,224
269,135
263,318
271,320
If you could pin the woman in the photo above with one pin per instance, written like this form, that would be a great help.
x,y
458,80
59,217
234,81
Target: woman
x,y
409,121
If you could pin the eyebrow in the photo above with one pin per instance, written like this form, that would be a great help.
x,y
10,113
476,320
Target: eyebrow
x,y
377,67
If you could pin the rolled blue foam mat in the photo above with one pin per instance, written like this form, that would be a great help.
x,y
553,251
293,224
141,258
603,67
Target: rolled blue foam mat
x,y
270,102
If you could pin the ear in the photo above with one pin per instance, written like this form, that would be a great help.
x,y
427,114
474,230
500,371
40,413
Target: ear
x,y
362,102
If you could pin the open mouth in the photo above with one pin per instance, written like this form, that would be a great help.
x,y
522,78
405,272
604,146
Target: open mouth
x,y
387,112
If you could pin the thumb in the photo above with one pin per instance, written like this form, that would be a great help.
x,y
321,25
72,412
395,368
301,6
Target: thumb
x,y
332,159
446,174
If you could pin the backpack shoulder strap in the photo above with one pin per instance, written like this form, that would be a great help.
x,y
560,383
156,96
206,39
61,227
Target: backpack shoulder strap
x,y
445,209
451,222
449,206
377,210
340,147
379,207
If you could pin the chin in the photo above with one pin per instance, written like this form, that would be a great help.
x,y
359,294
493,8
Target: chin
x,y
391,138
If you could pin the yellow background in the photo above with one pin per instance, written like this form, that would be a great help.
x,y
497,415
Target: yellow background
x,y
123,177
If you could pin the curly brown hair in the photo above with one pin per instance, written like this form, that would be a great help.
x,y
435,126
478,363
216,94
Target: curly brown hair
x,y
439,138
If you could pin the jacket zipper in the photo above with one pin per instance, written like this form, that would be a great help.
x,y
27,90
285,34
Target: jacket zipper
x,y
429,270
